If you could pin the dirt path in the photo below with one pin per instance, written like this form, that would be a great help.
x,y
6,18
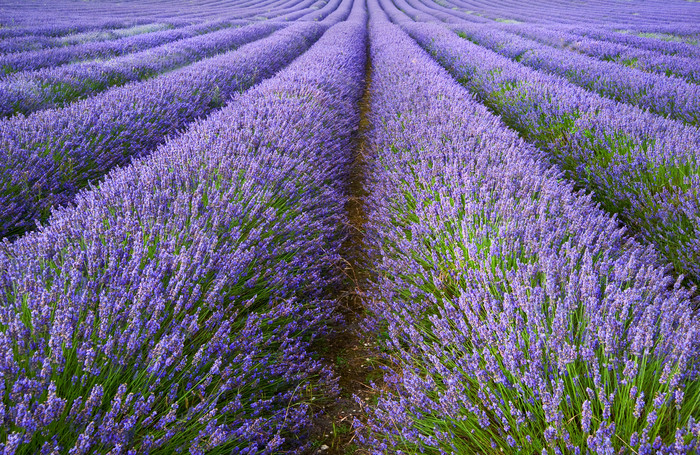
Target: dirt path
x,y
351,355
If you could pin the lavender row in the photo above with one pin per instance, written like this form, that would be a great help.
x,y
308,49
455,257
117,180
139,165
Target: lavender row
x,y
33,60
172,308
667,96
446,13
693,39
649,61
590,13
291,12
71,28
421,12
687,30
640,42
641,166
518,317
38,42
32,91
47,157
332,8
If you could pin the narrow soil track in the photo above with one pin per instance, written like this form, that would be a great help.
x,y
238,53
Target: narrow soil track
x,y
347,350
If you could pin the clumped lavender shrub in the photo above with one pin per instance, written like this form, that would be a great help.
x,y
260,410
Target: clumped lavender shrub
x,y
47,157
171,309
33,60
31,91
639,42
640,166
668,96
516,315
63,29
650,61
38,42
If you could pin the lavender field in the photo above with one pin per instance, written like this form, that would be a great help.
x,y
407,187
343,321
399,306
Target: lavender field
x,y
349,227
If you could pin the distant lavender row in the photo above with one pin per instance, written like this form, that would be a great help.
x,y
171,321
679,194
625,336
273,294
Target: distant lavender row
x,y
650,61
648,13
642,166
171,310
33,60
105,35
67,29
334,7
421,14
672,97
32,91
38,42
676,29
78,17
433,12
443,11
518,316
294,12
448,11
47,157
690,39
647,44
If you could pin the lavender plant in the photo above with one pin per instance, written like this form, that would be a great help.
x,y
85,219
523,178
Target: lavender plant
x,y
171,309
639,42
685,67
38,42
33,60
72,27
31,91
668,96
47,157
640,166
517,316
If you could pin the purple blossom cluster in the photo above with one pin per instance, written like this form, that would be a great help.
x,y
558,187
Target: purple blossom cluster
x,y
293,11
72,27
171,309
651,14
639,42
48,58
668,96
38,42
517,317
639,165
188,167
47,157
31,91
685,67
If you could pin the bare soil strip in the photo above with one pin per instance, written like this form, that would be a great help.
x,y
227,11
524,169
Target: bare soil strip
x,y
347,350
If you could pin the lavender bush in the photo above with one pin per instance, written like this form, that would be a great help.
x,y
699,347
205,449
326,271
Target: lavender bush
x,y
639,42
639,165
38,42
31,91
517,316
170,310
668,96
33,60
685,67
49,156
